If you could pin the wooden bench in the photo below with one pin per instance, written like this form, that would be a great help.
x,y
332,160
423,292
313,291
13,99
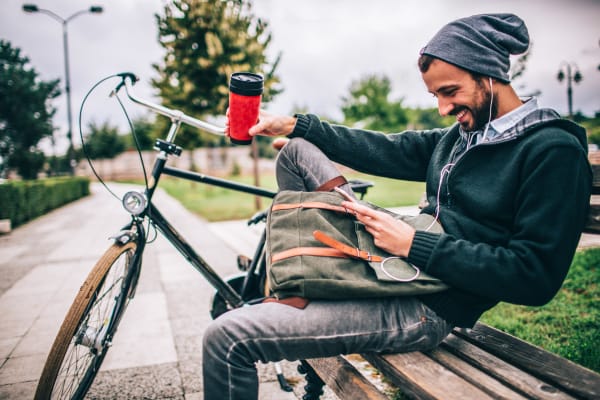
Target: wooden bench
x,y
478,363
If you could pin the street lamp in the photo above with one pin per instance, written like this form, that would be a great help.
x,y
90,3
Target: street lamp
x,y
32,8
573,74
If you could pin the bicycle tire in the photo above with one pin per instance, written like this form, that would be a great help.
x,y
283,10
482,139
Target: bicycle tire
x,y
81,339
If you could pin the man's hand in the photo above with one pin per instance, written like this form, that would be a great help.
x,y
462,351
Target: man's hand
x,y
389,234
273,125
268,125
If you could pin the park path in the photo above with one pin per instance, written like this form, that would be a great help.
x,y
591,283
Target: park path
x,y
157,351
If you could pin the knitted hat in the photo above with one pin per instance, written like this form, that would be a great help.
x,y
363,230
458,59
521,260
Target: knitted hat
x,y
481,43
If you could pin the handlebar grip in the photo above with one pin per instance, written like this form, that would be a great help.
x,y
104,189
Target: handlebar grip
x,y
130,75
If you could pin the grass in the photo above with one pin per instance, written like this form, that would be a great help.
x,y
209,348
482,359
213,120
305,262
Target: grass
x,y
219,204
215,203
568,326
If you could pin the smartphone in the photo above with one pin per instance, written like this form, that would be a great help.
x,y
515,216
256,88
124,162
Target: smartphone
x,y
345,195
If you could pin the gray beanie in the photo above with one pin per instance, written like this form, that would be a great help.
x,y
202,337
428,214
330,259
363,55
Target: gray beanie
x,y
481,43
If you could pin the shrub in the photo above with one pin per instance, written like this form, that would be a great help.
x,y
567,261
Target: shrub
x,y
22,201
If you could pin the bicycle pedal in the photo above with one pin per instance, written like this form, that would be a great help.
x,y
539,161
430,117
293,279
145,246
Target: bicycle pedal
x,y
243,263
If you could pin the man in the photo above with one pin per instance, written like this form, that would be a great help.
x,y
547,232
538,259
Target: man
x,y
510,184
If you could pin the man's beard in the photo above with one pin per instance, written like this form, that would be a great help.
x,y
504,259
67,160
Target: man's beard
x,y
483,113
480,112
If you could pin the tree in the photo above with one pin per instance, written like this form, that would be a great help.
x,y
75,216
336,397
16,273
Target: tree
x,y
205,42
103,141
428,118
145,134
25,112
369,105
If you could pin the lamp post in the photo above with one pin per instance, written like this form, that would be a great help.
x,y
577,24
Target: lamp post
x,y
573,74
32,8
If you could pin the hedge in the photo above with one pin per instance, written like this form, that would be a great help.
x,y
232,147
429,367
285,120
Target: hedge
x,y
22,201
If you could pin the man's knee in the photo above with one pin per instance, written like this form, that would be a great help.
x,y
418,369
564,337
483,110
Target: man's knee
x,y
211,335
231,327
293,147
295,150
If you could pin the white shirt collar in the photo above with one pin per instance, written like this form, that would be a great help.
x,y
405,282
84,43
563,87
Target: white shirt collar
x,y
510,119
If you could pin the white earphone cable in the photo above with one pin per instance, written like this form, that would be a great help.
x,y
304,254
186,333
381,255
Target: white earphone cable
x,y
485,132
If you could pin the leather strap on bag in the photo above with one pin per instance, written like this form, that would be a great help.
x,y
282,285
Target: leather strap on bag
x,y
354,252
332,183
335,249
308,251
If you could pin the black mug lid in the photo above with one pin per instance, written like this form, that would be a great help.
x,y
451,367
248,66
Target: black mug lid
x,y
246,83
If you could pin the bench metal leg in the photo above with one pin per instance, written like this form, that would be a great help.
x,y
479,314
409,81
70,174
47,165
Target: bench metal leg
x,y
314,384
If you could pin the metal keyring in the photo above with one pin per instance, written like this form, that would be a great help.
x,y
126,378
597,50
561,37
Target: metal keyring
x,y
418,271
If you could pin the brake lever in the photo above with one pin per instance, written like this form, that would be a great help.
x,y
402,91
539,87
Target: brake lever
x,y
124,75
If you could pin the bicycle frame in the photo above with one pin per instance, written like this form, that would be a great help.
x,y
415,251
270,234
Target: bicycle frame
x,y
157,219
177,240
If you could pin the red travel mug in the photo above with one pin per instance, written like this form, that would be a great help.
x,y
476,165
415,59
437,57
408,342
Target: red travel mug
x,y
245,91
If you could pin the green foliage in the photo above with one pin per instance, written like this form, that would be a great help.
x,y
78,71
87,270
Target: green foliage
x,y
214,203
103,141
146,133
28,163
21,201
368,105
591,125
265,149
236,170
25,112
428,118
205,42
570,324
61,165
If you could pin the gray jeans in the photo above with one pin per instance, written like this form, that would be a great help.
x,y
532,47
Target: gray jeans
x,y
268,332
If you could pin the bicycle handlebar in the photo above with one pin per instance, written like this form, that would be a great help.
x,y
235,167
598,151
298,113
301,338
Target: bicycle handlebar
x,y
176,116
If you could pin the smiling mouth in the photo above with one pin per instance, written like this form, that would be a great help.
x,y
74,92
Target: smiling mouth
x,y
460,116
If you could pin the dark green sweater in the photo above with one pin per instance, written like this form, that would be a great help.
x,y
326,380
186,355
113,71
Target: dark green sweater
x,y
512,210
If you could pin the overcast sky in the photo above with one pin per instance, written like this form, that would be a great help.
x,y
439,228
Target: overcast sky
x,y
325,45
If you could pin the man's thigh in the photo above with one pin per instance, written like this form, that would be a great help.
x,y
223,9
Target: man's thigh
x,y
272,331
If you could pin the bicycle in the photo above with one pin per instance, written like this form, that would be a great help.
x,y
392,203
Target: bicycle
x,y
92,320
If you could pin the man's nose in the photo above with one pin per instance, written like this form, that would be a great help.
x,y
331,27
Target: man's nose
x,y
444,107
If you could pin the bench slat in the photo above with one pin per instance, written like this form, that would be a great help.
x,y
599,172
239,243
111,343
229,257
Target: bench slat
x,y
344,379
420,377
592,224
560,372
503,371
596,178
475,376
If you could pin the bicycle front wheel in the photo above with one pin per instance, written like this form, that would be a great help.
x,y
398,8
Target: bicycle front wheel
x,y
87,330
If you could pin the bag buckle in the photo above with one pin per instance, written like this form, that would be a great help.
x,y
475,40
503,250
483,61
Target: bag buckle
x,y
361,254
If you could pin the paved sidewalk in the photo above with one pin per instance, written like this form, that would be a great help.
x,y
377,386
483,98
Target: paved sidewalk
x,y
157,350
